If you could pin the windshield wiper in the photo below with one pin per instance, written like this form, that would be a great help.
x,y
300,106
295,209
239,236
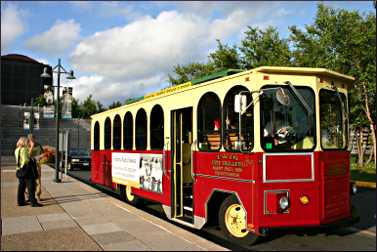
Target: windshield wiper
x,y
344,114
299,97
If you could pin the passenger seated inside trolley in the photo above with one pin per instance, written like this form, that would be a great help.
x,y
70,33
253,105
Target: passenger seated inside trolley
x,y
285,122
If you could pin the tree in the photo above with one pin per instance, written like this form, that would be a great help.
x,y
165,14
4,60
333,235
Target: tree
x,y
264,48
76,109
224,57
40,100
344,41
88,107
115,104
190,71
100,107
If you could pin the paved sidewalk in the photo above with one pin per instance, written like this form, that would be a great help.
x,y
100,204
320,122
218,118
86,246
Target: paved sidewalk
x,y
76,216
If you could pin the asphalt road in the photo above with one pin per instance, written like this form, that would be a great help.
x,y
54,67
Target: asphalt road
x,y
361,236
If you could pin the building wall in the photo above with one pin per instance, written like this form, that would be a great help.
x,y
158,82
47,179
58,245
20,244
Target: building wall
x,y
20,79
12,129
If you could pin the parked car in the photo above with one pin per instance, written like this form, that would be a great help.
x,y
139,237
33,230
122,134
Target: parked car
x,y
78,159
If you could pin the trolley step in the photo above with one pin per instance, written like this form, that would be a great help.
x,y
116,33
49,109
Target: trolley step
x,y
188,208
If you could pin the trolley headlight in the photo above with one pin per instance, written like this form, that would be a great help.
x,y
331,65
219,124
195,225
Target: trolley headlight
x,y
276,202
353,189
284,203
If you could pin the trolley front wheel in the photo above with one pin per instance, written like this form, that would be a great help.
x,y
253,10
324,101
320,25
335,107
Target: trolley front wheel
x,y
232,221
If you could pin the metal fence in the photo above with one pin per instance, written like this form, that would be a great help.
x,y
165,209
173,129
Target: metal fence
x,y
354,136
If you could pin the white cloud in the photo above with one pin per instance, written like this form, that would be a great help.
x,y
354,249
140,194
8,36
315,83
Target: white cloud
x,y
11,25
107,90
146,50
233,23
43,60
134,59
61,36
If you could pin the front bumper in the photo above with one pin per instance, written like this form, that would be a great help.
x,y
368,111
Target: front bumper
x,y
304,229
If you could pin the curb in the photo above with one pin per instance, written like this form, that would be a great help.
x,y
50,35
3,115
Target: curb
x,y
371,185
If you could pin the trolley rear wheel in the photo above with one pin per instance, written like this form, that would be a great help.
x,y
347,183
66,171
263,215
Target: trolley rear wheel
x,y
127,196
232,221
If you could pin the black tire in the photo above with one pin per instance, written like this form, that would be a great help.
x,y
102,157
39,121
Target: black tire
x,y
122,193
249,239
123,196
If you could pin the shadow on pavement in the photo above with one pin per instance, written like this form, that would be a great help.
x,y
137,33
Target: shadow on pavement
x,y
71,198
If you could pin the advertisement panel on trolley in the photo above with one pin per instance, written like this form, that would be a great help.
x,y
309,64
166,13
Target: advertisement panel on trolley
x,y
138,170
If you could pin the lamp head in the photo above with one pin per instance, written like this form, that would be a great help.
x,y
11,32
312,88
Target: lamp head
x,y
45,74
71,76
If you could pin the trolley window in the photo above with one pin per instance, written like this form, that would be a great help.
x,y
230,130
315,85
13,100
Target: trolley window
x,y
141,130
286,123
209,122
117,133
233,141
157,128
96,136
128,131
333,121
107,134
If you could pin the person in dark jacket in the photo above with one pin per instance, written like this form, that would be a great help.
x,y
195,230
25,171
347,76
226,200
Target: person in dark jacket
x,y
35,150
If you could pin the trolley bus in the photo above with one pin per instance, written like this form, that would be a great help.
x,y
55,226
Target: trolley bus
x,y
250,150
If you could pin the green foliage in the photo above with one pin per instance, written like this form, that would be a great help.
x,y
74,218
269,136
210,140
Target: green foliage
x,y
76,109
100,107
115,104
190,71
86,108
40,100
264,48
258,48
224,57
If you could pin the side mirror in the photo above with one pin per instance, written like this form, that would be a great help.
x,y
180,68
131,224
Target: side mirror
x,y
282,97
240,103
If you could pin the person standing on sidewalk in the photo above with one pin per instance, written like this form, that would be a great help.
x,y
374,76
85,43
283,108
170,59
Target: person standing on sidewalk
x,y
35,149
22,157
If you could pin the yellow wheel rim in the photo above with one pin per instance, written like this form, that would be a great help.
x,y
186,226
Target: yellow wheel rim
x,y
235,221
130,197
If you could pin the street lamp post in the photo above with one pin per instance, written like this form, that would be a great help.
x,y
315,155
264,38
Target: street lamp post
x,y
31,119
59,69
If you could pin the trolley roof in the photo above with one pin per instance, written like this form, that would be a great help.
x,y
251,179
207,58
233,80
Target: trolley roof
x,y
306,70
321,72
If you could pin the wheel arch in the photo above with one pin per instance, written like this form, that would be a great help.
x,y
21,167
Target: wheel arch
x,y
213,202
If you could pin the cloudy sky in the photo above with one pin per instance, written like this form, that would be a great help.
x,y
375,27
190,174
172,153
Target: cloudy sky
x,y
127,49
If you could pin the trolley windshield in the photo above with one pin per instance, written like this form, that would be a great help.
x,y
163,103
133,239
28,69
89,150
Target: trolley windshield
x,y
286,124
